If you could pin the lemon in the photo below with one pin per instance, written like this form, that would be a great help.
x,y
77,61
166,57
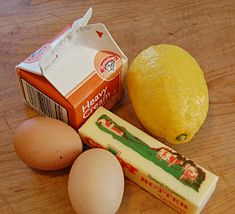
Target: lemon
x,y
168,92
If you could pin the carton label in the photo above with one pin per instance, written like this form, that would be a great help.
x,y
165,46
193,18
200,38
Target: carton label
x,y
107,64
102,93
42,103
99,99
34,57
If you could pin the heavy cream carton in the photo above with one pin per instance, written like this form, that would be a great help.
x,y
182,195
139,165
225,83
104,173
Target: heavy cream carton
x,y
73,74
167,174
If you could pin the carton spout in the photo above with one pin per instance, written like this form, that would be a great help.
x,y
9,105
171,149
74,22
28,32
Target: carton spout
x,y
82,21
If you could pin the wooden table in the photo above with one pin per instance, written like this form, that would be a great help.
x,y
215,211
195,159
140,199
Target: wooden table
x,y
204,28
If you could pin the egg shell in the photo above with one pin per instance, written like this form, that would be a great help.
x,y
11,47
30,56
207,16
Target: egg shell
x,y
47,144
96,183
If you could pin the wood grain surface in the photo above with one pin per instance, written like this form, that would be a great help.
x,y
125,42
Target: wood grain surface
x,y
205,28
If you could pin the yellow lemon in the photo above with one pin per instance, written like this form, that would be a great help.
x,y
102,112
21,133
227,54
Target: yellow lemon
x,y
168,92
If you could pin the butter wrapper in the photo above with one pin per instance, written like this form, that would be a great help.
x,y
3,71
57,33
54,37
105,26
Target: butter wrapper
x,y
167,174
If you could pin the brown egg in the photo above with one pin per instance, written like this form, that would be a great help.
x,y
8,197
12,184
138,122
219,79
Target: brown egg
x,y
96,183
46,143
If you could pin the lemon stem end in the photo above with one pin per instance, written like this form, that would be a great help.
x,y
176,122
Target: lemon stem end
x,y
181,137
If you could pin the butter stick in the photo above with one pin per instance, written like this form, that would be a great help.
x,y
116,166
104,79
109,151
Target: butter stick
x,y
170,176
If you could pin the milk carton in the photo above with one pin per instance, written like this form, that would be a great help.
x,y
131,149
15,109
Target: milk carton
x,y
73,74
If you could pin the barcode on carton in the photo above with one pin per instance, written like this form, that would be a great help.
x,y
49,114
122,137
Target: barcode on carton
x,y
43,104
